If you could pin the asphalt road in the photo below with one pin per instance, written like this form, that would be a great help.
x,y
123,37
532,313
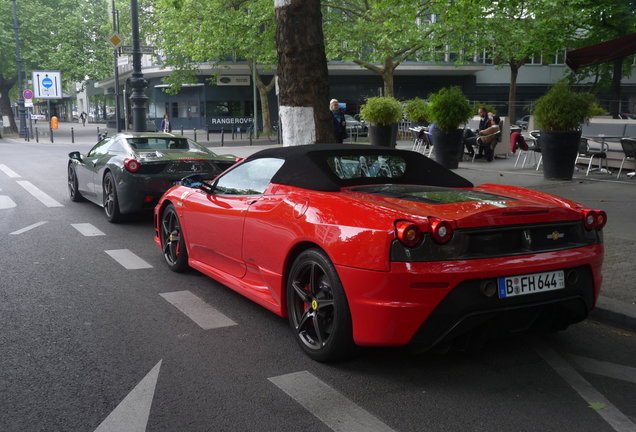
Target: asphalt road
x,y
87,344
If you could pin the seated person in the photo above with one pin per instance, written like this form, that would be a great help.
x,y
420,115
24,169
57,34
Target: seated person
x,y
470,137
489,138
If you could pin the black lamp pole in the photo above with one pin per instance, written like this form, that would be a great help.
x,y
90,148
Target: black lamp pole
x,y
117,108
137,81
18,60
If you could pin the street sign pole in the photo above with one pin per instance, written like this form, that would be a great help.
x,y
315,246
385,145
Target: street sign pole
x,y
18,60
137,81
117,107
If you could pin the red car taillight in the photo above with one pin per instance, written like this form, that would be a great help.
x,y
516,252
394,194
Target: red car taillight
x,y
440,230
594,219
132,165
408,233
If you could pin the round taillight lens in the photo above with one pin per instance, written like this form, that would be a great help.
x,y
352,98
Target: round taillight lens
x,y
589,219
132,165
408,233
441,231
601,219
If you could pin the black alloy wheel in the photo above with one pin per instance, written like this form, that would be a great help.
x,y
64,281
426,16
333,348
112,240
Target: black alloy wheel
x,y
318,308
172,241
73,191
111,202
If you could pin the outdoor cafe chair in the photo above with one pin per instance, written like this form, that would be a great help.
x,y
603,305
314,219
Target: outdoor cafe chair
x,y
586,152
629,150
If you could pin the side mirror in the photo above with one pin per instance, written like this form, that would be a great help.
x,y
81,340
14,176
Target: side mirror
x,y
75,155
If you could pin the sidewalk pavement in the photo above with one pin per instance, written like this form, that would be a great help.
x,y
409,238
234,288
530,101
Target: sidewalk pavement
x,y
617,302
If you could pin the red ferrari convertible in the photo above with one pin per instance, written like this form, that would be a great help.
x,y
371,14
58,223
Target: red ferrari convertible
x,y
369,246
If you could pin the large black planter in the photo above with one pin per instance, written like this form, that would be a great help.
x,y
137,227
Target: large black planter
x,y
559,150
383,135
447,147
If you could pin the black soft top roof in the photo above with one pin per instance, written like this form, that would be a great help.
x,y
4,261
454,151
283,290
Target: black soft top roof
x,y
306,167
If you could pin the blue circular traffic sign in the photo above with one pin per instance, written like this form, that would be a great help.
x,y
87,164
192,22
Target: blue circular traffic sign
x,y
47,82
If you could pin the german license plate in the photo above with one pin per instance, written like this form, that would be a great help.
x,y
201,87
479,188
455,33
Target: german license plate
x,y
531,283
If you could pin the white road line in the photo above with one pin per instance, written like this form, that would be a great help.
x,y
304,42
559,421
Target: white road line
x,y
331,407
616,419
29,228
37,193
8,171
611,370
197,310
132,413
128,259
87,230
6,202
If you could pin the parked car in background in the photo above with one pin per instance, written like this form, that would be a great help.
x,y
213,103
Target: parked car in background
x,y
129,172
365,245
356,127
523,122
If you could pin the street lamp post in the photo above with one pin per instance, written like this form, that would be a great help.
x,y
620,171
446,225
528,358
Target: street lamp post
x,y
117,108
137,81
18,60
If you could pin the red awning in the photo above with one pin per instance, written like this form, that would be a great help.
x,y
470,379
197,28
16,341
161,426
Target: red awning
x,y
602,52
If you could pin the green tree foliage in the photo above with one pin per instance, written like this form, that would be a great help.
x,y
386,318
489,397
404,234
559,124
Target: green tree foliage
x,y
189,32
562,109
379,35
72,41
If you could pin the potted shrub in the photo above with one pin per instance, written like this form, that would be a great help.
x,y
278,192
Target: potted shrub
x,y
382,114
559,115
416,111
448,109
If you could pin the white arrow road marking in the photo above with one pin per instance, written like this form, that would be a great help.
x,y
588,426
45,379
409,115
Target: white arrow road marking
x,y
331,407
6,202
616,419
8,171
87,230
611,370
131,415
128,259
37,193
197,310
30,227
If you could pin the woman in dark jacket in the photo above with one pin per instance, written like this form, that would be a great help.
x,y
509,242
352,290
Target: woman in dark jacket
x,y
339,122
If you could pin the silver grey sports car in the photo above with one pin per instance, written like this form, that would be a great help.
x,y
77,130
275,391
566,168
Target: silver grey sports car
x,y
128,172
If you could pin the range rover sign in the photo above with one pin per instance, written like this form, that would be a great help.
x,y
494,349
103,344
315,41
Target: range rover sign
x,y
233,80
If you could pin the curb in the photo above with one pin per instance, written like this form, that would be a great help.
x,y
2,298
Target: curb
x,y
615,312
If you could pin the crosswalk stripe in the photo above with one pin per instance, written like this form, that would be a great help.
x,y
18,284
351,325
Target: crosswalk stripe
x,y
8,171
611,370
87,230
197,310
6,202
330,406
29,228
128,259
39,194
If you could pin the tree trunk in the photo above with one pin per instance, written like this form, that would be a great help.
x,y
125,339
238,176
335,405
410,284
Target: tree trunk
x,y
302,73
512,91
5,103
387,77
263,90
615,103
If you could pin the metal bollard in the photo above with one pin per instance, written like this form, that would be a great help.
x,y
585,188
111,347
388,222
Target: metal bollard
x,y
97,133
181,130
222,136
233,135
51,132
195,134
37,135
208,131
250,137
72,136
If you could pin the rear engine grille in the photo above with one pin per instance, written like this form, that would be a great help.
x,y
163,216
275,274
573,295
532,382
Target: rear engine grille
x,y
499,241
185,167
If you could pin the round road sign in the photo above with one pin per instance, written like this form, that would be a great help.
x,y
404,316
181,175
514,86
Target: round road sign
x,y
47,82
27,94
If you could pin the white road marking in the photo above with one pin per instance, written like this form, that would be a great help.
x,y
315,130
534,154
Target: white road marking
x,y
197,310
87,230
128,259
8,171
331,407
616,419
37,193
6,202
29,228
132,413
611,370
